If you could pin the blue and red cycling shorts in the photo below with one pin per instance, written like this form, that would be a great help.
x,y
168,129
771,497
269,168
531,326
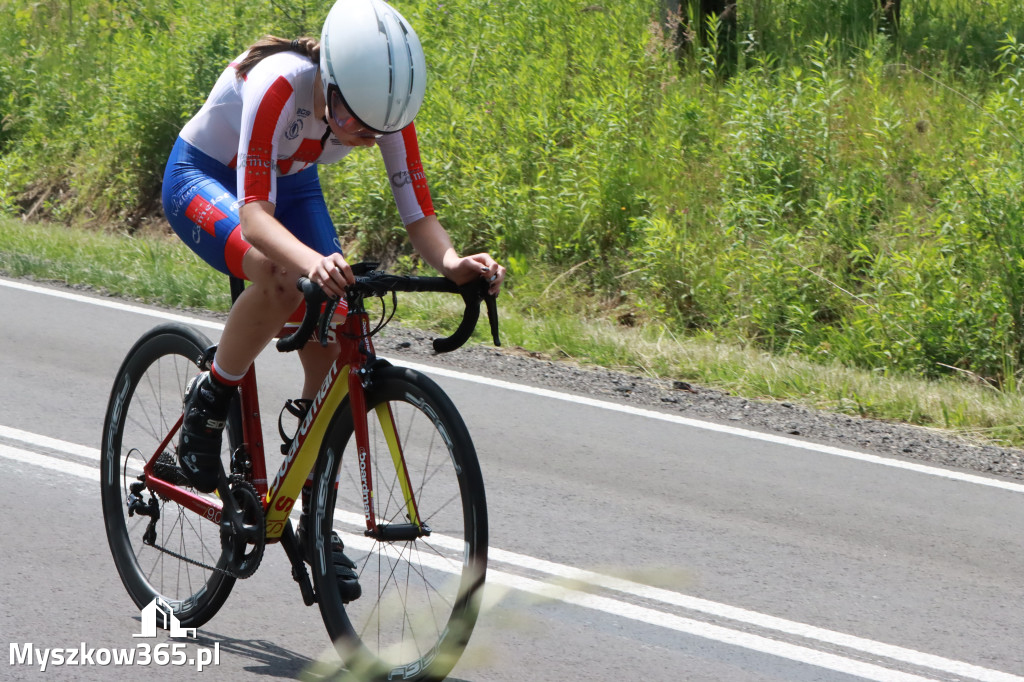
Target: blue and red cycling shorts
x,y
203,211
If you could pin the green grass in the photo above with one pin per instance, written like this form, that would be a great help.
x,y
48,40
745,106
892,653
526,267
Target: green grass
x,y
542,315
154,270
844,196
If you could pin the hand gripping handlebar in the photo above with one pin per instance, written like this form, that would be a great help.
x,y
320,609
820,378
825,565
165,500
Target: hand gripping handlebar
x,y
370,282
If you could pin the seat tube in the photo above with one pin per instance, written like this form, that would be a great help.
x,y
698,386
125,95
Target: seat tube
x,y
252,431
357,401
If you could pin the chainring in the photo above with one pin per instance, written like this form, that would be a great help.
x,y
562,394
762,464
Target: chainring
x,y
246,555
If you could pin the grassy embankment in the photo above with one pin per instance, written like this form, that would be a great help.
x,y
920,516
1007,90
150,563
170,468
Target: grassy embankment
x,y
838,223
162,270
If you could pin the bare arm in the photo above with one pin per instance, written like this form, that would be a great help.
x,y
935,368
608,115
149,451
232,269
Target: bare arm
x,y
432,242
261,229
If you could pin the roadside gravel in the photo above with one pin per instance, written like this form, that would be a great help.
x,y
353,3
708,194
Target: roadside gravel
x,y
901,441
888,439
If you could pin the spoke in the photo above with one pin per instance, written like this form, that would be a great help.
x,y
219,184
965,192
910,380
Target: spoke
x,y
429,584
401,590
426,465
431,591
435,550
455,496
410,588
405,610
146,428
182,566
154,394
378,470
380,550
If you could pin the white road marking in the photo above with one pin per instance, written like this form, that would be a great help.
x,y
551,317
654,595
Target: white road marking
x,y
588,580
687,626
111,303
579,400
47,443
52,463
719,428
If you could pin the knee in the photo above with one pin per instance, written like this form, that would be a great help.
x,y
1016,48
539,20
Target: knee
x,y
276,285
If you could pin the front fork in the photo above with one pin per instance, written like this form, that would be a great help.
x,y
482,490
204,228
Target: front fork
x,y
358,380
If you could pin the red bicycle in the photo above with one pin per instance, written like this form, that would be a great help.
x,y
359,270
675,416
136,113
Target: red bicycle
x,y
395,474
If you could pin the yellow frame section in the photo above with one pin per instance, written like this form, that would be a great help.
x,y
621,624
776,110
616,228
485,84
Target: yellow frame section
x,y
305,458
387,424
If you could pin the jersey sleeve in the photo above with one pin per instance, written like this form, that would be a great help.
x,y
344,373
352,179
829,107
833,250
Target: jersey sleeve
x,y
265,115
401,152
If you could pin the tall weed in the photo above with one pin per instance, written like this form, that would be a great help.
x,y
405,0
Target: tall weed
x,y
849,193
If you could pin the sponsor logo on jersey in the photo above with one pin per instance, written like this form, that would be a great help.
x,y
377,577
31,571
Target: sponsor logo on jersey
x,y
403,178
294,130
255,161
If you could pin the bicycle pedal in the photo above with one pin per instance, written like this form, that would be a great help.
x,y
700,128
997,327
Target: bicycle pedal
x,y
205,361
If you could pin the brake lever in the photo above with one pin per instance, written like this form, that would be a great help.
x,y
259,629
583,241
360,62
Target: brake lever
x,y
326,318
313,295
491,301
472,294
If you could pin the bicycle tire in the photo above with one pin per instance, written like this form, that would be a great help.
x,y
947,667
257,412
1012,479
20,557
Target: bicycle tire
x,y
420,598
145,402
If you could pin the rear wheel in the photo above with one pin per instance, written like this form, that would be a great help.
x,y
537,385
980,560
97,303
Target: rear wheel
x,y
161,549
420,595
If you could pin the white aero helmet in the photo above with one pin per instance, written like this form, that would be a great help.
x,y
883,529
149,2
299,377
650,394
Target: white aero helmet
x,y
371,62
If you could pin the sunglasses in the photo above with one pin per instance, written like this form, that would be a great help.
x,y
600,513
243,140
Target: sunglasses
x,y
344,118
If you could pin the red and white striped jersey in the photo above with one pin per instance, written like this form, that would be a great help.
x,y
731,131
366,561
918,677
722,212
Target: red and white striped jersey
x,y
264,126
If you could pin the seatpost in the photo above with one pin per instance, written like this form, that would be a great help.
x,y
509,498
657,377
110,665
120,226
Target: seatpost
x,y
237,287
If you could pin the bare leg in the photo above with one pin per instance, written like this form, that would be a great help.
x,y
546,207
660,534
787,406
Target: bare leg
x,y
316,360
258,314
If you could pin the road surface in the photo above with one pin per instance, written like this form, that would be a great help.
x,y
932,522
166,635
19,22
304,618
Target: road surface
x,y
626,544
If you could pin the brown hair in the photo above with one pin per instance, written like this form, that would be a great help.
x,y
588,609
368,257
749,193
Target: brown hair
x,y
268,45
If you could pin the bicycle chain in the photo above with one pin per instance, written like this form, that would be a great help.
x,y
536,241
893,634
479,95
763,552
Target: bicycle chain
x,y
184,558
235,481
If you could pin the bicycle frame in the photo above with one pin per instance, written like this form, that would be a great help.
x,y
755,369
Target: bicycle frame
x,y
280,496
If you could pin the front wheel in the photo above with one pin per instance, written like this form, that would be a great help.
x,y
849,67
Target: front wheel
x,y
420,597
161,549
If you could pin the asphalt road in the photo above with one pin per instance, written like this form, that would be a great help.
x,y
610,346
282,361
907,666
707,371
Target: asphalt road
x,y
625,545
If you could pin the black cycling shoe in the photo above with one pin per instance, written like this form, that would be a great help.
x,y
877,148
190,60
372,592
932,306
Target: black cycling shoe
x,y
344,568
206,411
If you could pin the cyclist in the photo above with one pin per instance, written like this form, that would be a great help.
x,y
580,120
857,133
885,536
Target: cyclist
x,y
241,189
